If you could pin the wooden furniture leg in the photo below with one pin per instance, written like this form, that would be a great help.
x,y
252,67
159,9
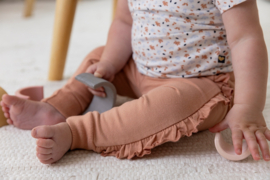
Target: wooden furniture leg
x,y
64,15
28,9
114,8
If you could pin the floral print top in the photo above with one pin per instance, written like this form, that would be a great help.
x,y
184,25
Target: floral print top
x,y
180,38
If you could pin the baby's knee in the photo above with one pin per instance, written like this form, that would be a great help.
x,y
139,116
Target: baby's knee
x,y
217,114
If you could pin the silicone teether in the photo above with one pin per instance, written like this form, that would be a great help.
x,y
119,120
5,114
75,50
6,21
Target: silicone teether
x,y
226,150
34,93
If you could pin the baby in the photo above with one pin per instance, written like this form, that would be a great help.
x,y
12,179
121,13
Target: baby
x,y
174,57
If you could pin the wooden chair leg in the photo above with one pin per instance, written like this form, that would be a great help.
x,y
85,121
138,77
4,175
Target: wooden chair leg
x,y
114,8
28,9
65,10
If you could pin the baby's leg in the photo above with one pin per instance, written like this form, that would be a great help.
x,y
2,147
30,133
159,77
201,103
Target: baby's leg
x,y
164,114
70,100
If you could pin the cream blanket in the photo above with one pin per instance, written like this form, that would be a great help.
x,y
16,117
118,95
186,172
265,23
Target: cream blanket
x,y
24,54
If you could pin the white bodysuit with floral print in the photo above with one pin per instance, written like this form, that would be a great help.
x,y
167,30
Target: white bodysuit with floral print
x,y
180,38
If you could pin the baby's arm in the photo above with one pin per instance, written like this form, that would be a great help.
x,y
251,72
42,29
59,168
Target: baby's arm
x,y
118,47
250,64
117,50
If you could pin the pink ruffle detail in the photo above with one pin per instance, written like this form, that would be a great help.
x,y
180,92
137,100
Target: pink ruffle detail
x,y
173,133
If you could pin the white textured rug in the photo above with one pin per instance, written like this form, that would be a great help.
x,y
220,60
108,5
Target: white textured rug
x,y
24,58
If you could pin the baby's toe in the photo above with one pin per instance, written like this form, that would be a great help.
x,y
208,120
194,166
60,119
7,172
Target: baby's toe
x,y
6,115
43,132
49,161
4,104
5,109
41,150
45,143
44,157
9,121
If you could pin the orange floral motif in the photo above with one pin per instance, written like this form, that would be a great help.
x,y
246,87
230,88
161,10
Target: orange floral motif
x,y
177,43
163,75
197,65
185,4
164,59
204,56
171,52
157,23
188,72
146,29
143,53
220,38
152,47
165,3
186,55
198,50
167,20
203,6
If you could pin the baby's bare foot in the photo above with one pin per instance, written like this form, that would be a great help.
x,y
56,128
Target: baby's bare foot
x,y
27,114
53,142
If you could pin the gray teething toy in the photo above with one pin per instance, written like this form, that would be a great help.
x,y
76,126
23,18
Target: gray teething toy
x,y
100,104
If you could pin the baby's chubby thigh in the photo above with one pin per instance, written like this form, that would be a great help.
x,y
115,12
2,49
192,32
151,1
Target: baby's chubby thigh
x,y
185,96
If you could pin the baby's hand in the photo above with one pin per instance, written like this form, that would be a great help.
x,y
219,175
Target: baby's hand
x,y
245,121
101,70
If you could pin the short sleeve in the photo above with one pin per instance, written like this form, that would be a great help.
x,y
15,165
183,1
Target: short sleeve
x,y
224,5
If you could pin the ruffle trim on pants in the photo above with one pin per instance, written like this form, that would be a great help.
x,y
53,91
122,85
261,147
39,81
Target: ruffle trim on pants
x,y
173,133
